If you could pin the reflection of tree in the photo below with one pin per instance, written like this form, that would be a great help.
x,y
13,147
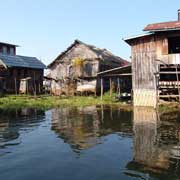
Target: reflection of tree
x,y
83,127
156,144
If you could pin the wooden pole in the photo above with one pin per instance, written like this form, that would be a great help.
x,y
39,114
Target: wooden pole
x,y
110,82
27,86
15,83
34,84
101,88
119,90
177,81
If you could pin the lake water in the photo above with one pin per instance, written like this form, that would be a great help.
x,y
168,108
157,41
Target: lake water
x,y
92,143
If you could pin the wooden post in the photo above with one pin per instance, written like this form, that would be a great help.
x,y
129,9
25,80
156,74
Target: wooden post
x,y
101,88
15,84
34,84
27,86
39,87
119,90
177,81
110,82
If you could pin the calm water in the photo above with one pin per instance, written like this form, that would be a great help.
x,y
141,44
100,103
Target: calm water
x,y
92,143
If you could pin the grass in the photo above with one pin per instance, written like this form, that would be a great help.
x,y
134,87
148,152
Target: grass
x,y
47,102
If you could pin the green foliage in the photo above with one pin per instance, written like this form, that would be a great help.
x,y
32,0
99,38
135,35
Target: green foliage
x,y
78,62
48,102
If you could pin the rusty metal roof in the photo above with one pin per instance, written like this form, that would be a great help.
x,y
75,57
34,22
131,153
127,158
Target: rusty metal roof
x,y
165,26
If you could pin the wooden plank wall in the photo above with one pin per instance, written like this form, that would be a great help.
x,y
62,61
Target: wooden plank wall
x,y
143,69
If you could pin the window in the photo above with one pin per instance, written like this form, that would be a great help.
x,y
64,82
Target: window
x,y
174,45
4,50
12,51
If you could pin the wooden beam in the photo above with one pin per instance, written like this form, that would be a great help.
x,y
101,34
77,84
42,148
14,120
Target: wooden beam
x,y
114,75
168,72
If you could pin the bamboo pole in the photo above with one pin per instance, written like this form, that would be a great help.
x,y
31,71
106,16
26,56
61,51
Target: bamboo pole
x,y
101,89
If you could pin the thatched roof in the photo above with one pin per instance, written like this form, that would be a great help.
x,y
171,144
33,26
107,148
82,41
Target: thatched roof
x,y
102,54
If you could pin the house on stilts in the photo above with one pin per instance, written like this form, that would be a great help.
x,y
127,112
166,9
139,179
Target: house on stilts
x,y
19,74
156,63
75,70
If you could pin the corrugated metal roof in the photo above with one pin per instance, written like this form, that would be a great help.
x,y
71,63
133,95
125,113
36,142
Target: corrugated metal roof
x,y
138,36
22,61
165,26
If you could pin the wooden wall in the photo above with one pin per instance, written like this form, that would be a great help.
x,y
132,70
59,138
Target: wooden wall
x,y
14,75
143,68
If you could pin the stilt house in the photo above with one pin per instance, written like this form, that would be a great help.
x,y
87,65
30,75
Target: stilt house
x,y
155,63
19,74
75,70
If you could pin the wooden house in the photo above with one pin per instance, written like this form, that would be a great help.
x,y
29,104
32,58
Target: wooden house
x,y
155,63
75,70
19,74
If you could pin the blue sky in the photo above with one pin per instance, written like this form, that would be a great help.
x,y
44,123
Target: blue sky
x,y
44,28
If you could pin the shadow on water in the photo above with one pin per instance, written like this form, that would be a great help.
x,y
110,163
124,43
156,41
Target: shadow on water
x,y
83,128
13,123
156,145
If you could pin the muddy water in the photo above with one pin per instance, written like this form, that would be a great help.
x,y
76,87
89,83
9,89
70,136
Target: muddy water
x,y
92,143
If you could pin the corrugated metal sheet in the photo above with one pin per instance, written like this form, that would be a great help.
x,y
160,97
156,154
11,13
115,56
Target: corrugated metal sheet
x,y
165,26
22,61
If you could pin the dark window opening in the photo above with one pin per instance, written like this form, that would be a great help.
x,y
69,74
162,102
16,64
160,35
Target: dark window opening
x,y
174,45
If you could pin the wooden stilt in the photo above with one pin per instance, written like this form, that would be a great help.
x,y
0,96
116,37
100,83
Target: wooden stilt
x,y
34,84
119,90
177,76
110,82
101,89
15,84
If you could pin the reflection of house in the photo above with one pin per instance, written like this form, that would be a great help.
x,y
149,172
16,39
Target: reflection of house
x,y
83,127
76,68
78,127
156,144
155,63
13,68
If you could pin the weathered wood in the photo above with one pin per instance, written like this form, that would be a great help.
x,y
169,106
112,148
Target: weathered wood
x,y
177,81
110,83
15,83
102,88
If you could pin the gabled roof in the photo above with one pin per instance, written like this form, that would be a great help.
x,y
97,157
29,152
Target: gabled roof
x,y
128,39
4,43
164,26
103,54
21,61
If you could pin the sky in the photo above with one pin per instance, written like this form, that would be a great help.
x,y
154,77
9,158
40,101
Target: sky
x,y
45,28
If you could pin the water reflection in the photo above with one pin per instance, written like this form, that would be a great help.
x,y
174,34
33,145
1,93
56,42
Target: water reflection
x,y
83,128
156,144
14,123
